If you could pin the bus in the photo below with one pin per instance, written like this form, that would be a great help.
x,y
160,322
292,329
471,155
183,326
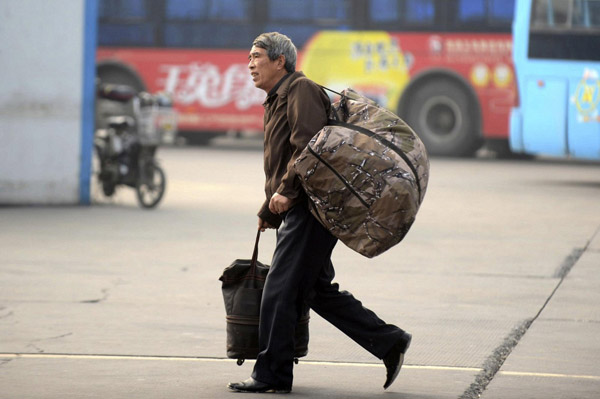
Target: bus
x,y
557,60
443,65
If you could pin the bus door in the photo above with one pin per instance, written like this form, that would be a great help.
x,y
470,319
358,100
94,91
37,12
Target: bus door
x,y
545,125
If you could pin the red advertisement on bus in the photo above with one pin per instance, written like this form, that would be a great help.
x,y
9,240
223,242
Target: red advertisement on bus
x,y
211,89
483,62
455,89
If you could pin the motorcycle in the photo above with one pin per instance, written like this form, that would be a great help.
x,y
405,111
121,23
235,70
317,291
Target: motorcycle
x,y
126,145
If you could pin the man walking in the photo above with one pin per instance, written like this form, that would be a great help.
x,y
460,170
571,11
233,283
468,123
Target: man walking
x,y
301,271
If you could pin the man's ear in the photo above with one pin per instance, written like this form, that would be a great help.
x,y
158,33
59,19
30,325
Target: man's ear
x,y
281,61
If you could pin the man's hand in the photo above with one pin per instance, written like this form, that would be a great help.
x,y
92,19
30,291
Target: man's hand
x,y
279,203
263,225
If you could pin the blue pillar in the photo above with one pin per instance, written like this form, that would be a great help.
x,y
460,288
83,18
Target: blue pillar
x,y
88,98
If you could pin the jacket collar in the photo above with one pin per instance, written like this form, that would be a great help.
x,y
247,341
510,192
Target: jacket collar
x,y
274,89
282,87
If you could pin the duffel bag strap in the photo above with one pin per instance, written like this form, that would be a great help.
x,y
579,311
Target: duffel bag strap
x,y
343,105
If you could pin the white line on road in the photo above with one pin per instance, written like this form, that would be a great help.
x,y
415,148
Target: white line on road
x,y
549,375
309,362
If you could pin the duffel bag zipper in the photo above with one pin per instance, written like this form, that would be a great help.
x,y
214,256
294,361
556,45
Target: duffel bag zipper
x,y
348,185
383,141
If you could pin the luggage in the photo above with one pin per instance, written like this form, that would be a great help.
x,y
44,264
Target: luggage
x,y
242,287
366,174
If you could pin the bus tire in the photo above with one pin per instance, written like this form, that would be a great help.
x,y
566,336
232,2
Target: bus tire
x,y
445,116
197,138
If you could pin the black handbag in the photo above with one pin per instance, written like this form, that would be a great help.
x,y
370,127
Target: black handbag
x,y
243,283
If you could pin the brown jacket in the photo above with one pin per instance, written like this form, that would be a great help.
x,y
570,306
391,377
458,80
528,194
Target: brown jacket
x,y
295,110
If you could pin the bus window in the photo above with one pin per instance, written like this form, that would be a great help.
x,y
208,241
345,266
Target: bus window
x,y
123,9
549,14
471,11
587,14
403,14
419,11
208,23
206,9
125,23
384,11
183,9
126,35
301,19
297,10
501,11
480,15
565,30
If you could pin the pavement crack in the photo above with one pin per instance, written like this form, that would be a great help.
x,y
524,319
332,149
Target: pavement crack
x,y
493,363
38,349
569,262
4,361
6,315
56,337
35,347
562,273
104,297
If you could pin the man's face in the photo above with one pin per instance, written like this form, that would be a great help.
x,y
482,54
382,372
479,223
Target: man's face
x,y
265,73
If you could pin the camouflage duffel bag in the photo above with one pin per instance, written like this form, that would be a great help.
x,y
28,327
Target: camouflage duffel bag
x,y
366,173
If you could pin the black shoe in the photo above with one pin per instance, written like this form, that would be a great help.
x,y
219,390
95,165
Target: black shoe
x,y
394,359
251,385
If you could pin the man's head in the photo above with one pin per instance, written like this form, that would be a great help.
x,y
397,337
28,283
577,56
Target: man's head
x,y
272,56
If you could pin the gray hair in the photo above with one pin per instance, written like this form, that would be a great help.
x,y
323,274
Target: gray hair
x,y
277,44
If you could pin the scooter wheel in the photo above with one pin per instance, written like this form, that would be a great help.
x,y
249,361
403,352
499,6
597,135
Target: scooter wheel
x,y
108,188
151,186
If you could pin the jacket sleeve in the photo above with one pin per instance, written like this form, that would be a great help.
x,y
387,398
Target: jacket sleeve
x,y
265,214
307,114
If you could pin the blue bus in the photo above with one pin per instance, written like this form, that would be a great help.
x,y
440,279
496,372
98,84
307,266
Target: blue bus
x,y
556,51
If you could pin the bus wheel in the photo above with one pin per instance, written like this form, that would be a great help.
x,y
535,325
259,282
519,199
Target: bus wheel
x,y
197,138
445,117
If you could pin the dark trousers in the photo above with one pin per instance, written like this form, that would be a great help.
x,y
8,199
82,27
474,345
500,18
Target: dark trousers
x,y
301,274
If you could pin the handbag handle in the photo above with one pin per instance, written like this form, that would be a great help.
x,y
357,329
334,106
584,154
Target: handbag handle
x,y
255,253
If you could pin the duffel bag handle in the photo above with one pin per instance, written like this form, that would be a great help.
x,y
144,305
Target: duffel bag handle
x,y
343,105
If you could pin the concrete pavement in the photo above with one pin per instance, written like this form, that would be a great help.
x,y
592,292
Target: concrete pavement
x,y
559,356
498,281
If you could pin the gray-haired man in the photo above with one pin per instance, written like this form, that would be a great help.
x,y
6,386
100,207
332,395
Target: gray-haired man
x,y
301,271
